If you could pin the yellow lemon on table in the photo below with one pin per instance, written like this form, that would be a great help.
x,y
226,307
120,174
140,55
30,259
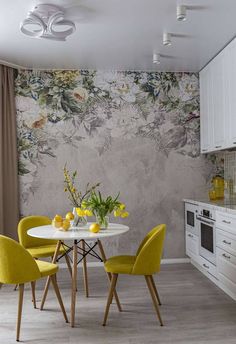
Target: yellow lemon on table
x,y
56,224
94,228
66,225
58,218
70,216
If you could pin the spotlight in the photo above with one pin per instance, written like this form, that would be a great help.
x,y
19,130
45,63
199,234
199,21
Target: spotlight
x,y
156,58
166,38
181,12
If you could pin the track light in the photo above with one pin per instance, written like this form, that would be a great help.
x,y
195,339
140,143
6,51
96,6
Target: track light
x,y
166,38
156,58
181,12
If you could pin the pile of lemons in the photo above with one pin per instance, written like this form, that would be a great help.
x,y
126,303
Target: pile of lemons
x,y
62,224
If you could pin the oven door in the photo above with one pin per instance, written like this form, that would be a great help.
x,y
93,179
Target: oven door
x,y
191,212
207,242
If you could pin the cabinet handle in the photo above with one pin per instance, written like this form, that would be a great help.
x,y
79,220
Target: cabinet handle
x,y
226,256
218,146
190,235
206,266
204,150
226,242
228,222
234,143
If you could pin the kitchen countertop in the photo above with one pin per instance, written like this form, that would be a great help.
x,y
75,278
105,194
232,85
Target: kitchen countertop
x,y
220,205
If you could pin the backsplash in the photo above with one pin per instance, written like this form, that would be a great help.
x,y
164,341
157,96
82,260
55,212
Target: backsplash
x,y
135,132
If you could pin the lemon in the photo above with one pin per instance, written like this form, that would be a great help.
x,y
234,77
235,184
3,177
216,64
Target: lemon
x,y
66,225
70,216
94,228
56,224
58,218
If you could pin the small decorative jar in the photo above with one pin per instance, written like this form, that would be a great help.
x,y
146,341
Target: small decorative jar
x,y
78,220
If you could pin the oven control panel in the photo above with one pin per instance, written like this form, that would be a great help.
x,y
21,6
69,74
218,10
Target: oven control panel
x,y
207,213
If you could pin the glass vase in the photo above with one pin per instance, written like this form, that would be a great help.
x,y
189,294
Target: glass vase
x,y
103,221
79,221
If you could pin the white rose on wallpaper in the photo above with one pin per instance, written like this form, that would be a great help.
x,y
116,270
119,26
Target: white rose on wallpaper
x,y
80,94
27,104
188,87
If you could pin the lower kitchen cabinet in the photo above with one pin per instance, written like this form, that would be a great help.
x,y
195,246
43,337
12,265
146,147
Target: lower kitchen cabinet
x,y
226,267
192,245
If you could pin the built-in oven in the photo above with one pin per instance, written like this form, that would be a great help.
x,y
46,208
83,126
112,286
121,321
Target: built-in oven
x,y
191,212
207,234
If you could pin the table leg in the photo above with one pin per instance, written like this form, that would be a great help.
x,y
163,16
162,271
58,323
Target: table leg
x,y
109,274
48,278
85,273
74,284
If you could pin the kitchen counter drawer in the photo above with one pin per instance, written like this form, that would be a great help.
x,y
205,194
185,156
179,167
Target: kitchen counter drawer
x,y
226,266
192,248
226,222
207,266
226,241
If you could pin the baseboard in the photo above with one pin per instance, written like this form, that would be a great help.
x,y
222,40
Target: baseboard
x,y
164,261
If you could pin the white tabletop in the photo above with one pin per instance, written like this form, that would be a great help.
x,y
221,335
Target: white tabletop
x,y
49,232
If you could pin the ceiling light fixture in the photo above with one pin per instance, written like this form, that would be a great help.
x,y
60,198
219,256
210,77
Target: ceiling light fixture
x,y
181,12
156,58
166,38
47,21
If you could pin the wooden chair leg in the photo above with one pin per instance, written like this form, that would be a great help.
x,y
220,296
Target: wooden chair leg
x,y
74,285
155,290
85,273
20,304
16,286
1,285
48,278
58,294
33,293
109,275
68,264
154,299
110,296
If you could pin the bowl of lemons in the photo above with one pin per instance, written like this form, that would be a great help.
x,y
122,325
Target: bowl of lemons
x,y
62,224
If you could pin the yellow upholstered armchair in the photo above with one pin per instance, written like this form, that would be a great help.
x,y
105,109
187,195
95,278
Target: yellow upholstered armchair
x,y
146,262
17,266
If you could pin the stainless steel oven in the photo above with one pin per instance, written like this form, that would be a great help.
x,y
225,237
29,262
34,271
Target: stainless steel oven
x,y
191,211
207,235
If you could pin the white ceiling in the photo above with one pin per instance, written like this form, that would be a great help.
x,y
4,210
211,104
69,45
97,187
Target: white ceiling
x,y
121,35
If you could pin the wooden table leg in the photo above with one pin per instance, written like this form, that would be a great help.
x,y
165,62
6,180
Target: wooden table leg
x,y
109,275
85,273
74,284
48,278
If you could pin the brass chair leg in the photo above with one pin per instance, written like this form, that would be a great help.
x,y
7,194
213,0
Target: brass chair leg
x,y
110,296
155,290
48,278
85,273
154,299
109,275
58,294
20,304
33,293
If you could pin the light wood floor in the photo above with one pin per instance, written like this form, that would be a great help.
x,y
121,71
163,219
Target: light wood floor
x,y
194,310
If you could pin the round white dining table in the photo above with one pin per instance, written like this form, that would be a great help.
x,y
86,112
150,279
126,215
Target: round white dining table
x,y
78,238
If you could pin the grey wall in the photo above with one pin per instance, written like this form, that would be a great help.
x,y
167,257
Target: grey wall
x,y
136,133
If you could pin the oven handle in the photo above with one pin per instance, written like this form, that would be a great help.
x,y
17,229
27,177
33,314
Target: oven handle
x,y
205,221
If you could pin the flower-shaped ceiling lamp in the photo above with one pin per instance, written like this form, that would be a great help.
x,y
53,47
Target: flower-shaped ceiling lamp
x,y
47,21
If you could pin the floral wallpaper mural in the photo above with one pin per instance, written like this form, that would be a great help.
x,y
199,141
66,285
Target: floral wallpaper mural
x,y
135,132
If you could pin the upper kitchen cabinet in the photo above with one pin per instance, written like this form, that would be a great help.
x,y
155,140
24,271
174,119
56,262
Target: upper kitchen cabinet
x,y
218,101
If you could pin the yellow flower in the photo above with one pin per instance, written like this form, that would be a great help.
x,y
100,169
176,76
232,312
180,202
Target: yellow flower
x,y
73,190
65,189
117,213
88,212
83,205
124,214
80,212
122,206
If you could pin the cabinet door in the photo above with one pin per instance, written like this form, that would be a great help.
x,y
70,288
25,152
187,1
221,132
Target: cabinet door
x,y
231,122
217,117
205,109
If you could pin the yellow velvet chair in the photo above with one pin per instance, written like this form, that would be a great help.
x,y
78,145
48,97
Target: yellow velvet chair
x,y
17,266
146,262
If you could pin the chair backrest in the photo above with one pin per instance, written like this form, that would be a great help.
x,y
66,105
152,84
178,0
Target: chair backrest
x,y
16,264
29,222
149,253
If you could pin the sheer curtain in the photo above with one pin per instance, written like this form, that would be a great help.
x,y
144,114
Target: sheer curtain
x,y
9,205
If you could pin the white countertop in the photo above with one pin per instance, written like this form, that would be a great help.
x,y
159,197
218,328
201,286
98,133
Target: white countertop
x,y
220,205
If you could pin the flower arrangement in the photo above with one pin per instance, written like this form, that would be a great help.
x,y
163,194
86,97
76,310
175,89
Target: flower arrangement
x,y
101,207
75,196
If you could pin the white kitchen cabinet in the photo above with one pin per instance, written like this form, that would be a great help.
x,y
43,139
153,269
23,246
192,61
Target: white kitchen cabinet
x,y
218,101
192,245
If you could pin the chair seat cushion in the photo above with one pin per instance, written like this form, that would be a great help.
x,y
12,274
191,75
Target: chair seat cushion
x,y
46,269
44,251
120,264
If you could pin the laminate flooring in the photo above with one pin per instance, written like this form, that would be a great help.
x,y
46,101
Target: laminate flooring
x,y
194,311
